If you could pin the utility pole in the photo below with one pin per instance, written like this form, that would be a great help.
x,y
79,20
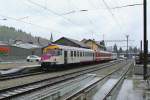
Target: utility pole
x,y
127,36
145,37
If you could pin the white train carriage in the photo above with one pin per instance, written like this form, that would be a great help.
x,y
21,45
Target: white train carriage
x,y
61,55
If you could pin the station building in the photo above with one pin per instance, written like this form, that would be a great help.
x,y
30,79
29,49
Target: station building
x,y
92,44
18,51
85,43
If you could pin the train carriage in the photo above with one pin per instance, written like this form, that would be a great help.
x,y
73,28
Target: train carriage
x,y
103,56
61,55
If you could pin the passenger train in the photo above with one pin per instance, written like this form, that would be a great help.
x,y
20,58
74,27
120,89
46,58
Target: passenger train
x,y
55,55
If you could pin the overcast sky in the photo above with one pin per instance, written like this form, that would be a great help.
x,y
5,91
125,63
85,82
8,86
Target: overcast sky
x,y
65,18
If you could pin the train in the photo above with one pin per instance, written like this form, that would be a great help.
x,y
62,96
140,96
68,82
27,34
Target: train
x,y
55,55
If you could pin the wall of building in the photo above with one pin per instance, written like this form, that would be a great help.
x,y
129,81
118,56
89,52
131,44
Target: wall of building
x,y
4,50
20,53
92,45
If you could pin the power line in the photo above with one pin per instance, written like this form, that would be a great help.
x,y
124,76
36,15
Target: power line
x,y
18,20
43,7
113,16
130,5
53,12
117,40
88,18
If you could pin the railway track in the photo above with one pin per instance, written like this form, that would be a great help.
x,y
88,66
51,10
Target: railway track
x,y
13,76
20,75
27,88
111,93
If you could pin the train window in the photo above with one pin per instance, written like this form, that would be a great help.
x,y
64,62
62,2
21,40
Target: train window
x,y
59,52
74,53
89,54
55,52
71,53
80,54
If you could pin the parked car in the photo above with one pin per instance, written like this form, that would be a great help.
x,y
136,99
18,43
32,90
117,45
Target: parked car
x,y
32,58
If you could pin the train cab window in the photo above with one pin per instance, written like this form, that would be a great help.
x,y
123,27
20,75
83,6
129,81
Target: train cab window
x,y
74,53
59,52
71,53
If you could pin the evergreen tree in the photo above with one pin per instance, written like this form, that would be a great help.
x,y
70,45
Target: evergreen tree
x,y
103,44
130,49
120,50
135,50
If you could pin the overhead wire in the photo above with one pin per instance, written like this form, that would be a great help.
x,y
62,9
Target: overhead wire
x,y
130,5
113,16
90,21
51,11
18,20
40,14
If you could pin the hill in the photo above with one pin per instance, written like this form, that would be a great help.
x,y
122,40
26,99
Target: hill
x,y
10,34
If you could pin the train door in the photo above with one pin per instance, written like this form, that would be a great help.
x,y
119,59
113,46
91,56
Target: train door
x,y
65,57
93,56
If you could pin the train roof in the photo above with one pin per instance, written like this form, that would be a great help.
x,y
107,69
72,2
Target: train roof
x,y
56,46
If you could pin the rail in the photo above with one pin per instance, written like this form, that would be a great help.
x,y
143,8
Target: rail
x,y
92,85
27,88
113,90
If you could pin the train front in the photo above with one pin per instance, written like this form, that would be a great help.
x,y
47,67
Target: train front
x,y
51,56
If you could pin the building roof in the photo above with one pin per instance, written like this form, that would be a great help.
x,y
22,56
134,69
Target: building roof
x,y
74,41
26,45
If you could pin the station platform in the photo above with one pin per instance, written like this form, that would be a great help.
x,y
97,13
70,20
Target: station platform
x,y
16,64
138,69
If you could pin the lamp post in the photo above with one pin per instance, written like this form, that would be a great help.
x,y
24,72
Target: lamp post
x,y
145,37
127,36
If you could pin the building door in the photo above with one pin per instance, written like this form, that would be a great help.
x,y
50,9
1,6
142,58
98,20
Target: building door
x,y
65,57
